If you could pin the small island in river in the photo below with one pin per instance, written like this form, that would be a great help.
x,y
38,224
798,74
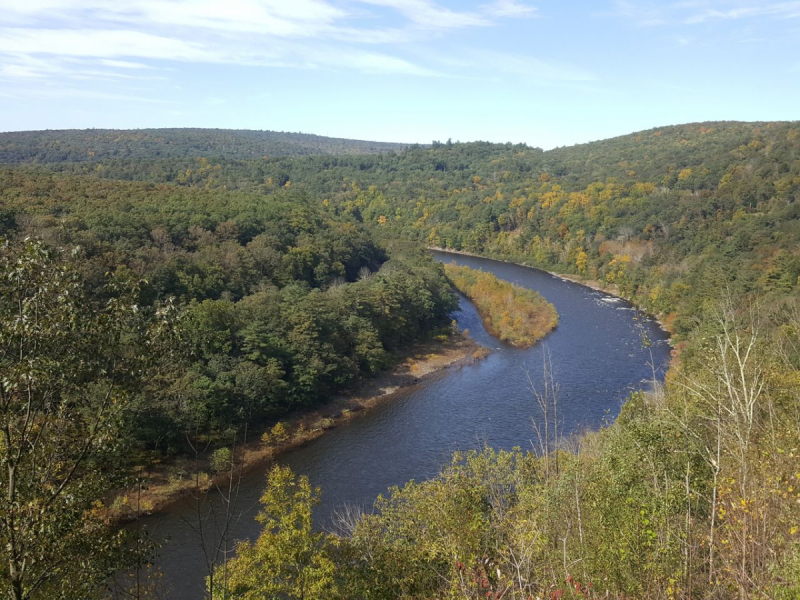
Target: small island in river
x,y
514,314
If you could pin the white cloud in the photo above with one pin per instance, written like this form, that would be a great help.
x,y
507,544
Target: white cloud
x,y
695,12
295,18
121,35
28,67
377,63
109,39
99,43
17,71
784,10
509,8
429,15
124,64
110,45
300,18
642,15
527,68
266,16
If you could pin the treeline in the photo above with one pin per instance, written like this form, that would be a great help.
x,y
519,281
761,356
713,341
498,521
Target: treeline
x,y
512,313
281,302
76,145
695,207
692,493
283,349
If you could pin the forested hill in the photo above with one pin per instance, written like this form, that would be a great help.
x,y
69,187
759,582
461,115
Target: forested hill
x,y
695,207
661,151
291,276
53,146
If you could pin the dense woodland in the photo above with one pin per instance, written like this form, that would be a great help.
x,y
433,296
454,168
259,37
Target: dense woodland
x,y
271,279
281,303
704,205
54,146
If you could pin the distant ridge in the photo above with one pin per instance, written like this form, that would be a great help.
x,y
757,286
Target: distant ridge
x,y
642,152
82,145
651,154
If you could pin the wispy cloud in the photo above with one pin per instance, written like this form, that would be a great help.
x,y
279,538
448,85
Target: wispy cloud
x,y
645,15
298,17
784,10
530,69
100,43
124,64
696,12
429,15
509,8
36,35
50,45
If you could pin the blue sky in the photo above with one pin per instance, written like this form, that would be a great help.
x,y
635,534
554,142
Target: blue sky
x,y
546,73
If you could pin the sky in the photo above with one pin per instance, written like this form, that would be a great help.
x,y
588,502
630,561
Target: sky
x,y
547,73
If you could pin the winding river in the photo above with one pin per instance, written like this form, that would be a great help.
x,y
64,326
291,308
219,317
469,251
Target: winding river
x,y
598,357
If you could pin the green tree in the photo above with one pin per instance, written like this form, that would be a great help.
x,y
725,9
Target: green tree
x,y
288,560
67,366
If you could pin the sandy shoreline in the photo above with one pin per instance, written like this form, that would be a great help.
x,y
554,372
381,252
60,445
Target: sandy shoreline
x,y
164,485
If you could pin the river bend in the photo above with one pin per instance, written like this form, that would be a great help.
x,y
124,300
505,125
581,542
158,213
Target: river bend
x,y
598,357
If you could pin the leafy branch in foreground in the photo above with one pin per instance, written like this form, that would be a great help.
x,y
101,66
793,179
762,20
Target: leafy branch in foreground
x,y
289,559
68,365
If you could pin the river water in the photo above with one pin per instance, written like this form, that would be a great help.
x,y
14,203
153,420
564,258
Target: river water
x,y
598,358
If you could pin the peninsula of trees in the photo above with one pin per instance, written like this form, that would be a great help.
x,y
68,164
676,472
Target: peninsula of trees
x,y
511,313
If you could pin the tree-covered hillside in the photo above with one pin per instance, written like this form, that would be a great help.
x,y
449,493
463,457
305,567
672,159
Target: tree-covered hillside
x,y
282,302
692,207
693,492
91,145
279,269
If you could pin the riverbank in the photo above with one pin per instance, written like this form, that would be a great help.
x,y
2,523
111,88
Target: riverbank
x,y
598,286
163,485
597,359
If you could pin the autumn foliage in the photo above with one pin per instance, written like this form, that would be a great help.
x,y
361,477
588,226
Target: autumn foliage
x,y
512,313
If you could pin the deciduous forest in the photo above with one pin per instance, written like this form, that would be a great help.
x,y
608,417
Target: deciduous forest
x,y
155,283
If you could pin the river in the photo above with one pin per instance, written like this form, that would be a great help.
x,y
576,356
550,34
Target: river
x,y
598,358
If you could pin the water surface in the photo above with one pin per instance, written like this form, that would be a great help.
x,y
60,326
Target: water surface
x,y
598,357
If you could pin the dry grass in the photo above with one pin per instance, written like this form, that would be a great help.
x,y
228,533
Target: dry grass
x,y
512,313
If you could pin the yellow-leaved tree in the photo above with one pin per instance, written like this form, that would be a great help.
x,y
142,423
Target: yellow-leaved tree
x,y
289,559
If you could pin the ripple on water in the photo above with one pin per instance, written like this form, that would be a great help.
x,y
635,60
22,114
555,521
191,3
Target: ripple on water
x,y
598,359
